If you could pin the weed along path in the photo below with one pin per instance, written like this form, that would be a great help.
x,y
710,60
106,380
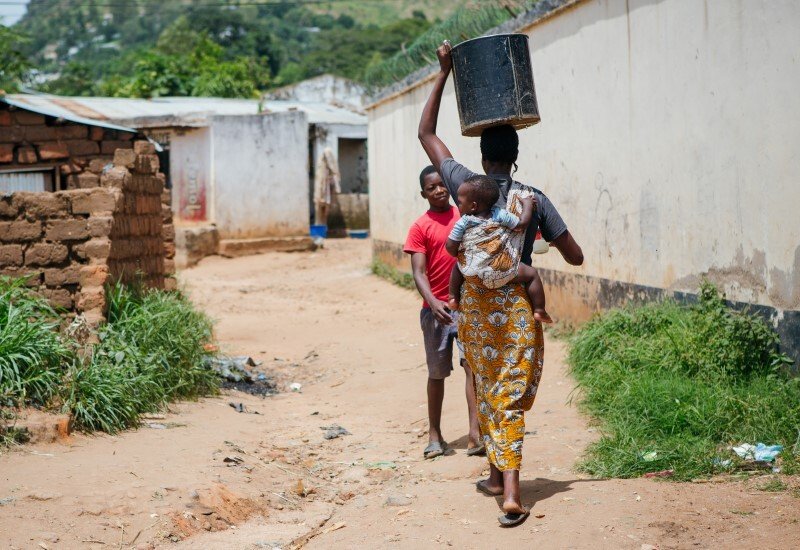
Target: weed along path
x,y
206,476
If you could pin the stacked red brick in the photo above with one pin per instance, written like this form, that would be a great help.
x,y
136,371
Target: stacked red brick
x,y
71,244
78,151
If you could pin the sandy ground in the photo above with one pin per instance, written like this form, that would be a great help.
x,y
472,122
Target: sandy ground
x,y
204,476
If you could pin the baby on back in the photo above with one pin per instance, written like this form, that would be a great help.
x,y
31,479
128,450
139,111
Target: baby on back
x,y
487,241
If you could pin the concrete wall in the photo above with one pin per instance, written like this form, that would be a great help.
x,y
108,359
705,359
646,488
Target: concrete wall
x,y
669,142
260,174
190,174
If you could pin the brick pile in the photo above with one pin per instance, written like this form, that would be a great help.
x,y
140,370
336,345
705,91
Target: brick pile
x,y
71,244
78,152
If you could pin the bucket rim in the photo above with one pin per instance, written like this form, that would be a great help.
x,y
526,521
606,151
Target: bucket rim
x,y
484,37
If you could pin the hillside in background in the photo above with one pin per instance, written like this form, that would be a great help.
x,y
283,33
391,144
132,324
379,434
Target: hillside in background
x,y
147,48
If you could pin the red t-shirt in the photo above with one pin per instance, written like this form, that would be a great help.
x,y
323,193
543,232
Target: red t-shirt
x,y
428,235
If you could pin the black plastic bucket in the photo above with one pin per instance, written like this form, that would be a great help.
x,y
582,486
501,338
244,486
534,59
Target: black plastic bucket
x,y
494,83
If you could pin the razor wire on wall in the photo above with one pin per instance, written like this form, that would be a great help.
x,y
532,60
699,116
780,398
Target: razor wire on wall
x,y
469,21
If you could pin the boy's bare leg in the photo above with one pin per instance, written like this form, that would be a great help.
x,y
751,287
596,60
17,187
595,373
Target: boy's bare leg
x,y
456,280
435,399
533,284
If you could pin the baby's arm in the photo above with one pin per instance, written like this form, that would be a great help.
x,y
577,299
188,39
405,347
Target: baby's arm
x,y
528,207
505,218
456,236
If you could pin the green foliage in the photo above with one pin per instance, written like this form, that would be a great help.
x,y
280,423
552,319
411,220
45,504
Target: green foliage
x,y
14,63
150,352
468,21
144,49
684,382
346,53
31,351
393,275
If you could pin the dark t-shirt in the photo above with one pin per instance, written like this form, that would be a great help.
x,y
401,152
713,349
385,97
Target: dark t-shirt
x,y
545,218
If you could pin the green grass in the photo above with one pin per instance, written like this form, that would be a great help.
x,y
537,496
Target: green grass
x,y
150,352
393,275
32,354
773,485
684,382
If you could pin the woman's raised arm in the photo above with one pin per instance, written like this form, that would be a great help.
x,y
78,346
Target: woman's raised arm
x,y
435,148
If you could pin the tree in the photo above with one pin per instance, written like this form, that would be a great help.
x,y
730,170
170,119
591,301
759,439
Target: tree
x,y
14,65
75,79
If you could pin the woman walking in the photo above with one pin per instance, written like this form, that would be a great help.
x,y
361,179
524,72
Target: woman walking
x,y
503,343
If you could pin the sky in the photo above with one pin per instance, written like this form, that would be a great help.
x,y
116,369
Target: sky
x,y
12,10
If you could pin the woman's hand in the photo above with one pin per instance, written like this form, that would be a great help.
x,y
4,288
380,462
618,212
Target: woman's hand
x,y
445,57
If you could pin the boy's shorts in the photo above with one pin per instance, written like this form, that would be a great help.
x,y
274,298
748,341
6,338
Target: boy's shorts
x,y
439,344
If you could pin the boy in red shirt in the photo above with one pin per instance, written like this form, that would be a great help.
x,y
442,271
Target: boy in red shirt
x,y
431,266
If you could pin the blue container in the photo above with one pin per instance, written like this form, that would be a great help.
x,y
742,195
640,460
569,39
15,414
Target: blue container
x,y
319,231
358,233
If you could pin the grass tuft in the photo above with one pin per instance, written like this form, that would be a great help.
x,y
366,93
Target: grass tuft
x,y
393,275
773,485
32,353
673,385
151,352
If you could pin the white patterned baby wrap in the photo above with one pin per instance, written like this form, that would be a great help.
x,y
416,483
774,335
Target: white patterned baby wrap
x,y
491,252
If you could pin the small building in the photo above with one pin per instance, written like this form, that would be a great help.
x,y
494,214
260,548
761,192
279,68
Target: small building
x,y
326,88
240,170
82,205
346,137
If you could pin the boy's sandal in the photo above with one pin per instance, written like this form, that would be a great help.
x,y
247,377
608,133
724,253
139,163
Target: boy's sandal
x,y
480,450
434,449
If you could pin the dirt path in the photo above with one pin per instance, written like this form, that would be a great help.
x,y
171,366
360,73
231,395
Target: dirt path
x,y
353,342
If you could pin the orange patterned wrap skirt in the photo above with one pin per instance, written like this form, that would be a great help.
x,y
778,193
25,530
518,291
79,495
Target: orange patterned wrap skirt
x,y
504,347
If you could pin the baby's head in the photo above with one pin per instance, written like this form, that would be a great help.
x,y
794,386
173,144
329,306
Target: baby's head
x,y
477,194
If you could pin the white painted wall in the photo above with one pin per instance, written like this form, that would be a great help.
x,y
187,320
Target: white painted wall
x,y
260,166
669,141
190,173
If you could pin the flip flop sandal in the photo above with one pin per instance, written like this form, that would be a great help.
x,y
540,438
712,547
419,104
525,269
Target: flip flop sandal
x,y
512,520
434,449
480,450
485,490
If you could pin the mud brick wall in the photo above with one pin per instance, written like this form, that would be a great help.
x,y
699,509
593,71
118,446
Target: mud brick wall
x,y
72,244
168,236
139,250
77,152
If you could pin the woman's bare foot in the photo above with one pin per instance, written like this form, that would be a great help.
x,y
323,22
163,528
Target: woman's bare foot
x,y
512,507
542,316
512,501
486,487
452,303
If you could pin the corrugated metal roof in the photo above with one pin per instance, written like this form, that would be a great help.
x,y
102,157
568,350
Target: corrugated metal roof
x,y
20,101
318,113
177,111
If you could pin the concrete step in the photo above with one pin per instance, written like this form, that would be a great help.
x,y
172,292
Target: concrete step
x,y
232,248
